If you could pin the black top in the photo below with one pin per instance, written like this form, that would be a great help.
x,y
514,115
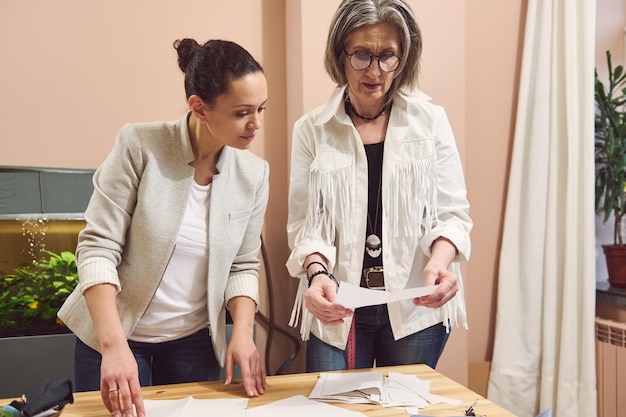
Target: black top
x,y
374,154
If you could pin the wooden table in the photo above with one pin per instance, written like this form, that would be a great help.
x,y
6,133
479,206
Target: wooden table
x,y
89,404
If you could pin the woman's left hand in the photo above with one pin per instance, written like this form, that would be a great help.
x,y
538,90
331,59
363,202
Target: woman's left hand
x,y
436,272
447,287
242,350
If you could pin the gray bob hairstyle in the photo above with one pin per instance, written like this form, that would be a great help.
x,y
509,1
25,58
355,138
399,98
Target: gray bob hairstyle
x,y
353,14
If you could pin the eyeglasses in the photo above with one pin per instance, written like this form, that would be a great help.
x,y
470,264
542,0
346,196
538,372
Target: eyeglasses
x,y
361,61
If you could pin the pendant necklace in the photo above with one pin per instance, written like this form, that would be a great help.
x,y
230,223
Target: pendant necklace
x,y
373,243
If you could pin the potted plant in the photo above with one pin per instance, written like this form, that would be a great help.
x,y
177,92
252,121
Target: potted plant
x,y
610,158
34,344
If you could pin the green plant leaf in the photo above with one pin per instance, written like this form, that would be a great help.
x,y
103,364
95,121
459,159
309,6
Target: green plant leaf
x,y
31,296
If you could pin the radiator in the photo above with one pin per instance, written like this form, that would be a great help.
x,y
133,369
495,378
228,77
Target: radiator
x,y
611,367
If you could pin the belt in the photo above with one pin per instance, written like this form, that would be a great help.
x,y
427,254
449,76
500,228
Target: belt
x,y
373,278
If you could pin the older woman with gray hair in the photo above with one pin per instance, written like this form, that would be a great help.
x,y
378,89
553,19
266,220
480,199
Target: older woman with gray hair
x,y
377,198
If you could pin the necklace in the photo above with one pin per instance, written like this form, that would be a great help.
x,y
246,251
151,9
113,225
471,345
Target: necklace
x,y
351,110
373,245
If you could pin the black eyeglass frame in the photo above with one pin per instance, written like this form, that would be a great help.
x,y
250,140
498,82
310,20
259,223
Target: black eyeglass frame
x,y
371,57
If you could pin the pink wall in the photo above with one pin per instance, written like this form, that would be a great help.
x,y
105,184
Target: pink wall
x,y
73,72
610,26
493,51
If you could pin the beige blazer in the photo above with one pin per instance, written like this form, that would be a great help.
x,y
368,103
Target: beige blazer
x,y
132,220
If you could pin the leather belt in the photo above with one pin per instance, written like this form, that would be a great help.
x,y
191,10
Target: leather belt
x,y
374,278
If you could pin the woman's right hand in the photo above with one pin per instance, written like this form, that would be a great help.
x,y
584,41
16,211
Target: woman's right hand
x,y
119,375
119,382
320,298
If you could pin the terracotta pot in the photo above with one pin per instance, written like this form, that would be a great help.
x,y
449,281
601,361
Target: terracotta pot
x,y
616,264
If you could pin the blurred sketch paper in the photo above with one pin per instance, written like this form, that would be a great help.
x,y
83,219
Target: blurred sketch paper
x,y
410,391
352,296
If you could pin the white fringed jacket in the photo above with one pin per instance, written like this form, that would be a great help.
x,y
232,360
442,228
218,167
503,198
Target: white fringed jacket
x,y
423,194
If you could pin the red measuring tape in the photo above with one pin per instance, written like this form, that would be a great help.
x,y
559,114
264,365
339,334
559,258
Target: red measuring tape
x,y
352,346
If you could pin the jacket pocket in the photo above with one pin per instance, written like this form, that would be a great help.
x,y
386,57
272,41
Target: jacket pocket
x,y
239,214
417,148
329,159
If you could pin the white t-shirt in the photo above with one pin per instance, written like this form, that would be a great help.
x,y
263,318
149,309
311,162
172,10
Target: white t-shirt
x,y
179,306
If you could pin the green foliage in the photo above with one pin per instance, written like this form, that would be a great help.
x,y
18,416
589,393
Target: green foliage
x,y
30,296
610,147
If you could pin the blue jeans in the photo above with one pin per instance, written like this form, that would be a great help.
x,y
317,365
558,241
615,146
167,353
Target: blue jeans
x,y
189,359
375,344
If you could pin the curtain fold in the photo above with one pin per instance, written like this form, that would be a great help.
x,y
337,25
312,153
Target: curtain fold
x,y
544,349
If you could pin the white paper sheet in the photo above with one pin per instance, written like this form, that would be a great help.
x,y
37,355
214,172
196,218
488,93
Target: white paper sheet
x,y
357,388
402,390
339,383
405,391
352,296
300,406
191,407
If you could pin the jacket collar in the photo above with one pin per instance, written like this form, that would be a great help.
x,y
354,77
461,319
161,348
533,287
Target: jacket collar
x,y
185,138
334,107
187,150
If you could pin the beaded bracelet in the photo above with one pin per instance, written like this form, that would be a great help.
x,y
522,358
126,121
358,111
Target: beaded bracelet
x,y
320,272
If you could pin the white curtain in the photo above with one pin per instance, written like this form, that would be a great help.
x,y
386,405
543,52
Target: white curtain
x,y
544,349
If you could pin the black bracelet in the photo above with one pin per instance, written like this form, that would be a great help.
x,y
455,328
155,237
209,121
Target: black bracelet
x,y
331,276
320,272
314,274
315,262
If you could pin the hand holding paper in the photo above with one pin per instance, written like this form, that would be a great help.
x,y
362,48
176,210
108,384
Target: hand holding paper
x,y
352,296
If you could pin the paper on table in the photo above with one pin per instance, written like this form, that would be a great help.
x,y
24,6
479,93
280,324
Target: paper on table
x,y
396,390
356,388
416,414
300,406
405,391
399,385
191,407
368,384
352,296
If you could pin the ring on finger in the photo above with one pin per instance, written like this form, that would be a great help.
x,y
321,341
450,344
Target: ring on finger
x,y
113,389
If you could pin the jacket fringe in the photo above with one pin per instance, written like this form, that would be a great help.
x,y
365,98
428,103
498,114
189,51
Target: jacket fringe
x,y
323,212
298,308
412,198
454,311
